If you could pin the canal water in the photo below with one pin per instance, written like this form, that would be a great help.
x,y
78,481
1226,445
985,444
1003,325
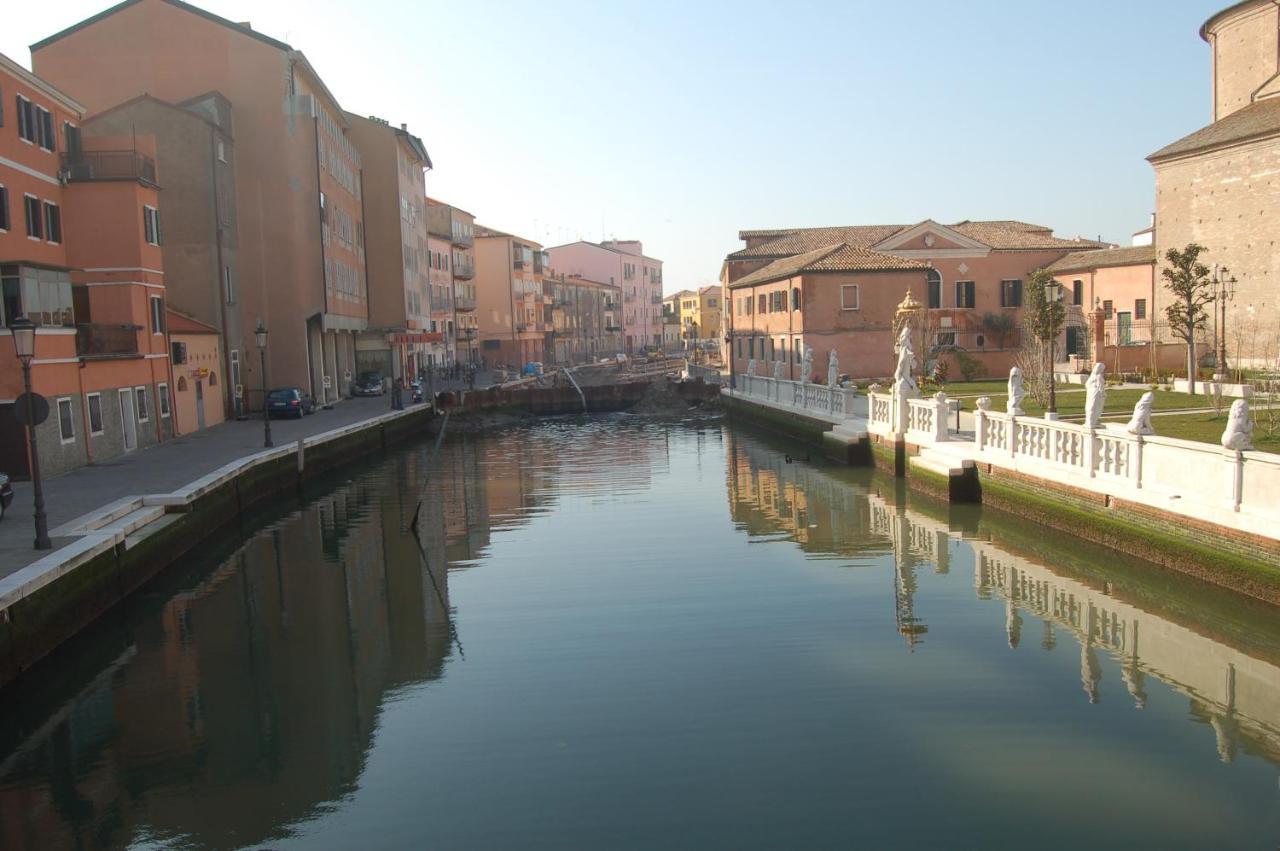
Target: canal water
x,y
622,632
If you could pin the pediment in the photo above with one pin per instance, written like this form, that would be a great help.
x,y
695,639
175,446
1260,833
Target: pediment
x,y
929,236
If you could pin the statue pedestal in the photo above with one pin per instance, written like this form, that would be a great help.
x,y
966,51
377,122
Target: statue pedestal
x,y
1051,416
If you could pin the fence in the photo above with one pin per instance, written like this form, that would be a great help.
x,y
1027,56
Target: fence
x,y
699,372
831,402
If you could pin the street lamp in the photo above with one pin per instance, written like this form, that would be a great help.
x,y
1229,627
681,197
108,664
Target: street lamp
x,y
1053,293
261,335
24,344
1224,291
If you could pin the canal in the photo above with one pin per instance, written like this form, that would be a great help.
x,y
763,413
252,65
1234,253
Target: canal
x,y
632,632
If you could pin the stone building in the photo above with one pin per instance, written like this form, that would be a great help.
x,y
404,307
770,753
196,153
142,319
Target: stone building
x,y
1220,186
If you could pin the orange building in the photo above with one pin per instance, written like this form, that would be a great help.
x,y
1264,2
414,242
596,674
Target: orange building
x,y
457,227
512,307
298,214
80,236
198,378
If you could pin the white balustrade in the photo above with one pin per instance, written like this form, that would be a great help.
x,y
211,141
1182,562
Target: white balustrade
x,y
831,402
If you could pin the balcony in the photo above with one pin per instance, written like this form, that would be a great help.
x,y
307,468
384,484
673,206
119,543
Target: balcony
x,y
108,165
464,304
107,341
460,239
629,299
464,271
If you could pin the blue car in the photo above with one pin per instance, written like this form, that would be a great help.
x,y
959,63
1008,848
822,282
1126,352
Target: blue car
x,y
289,402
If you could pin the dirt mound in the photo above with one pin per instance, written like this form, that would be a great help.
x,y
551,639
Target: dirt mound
x,y
660,398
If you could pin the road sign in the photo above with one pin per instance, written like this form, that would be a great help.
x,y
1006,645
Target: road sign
x,y
328,382
39,404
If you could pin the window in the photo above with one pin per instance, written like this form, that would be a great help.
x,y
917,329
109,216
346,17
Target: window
x,y
52,222
965,294
934,279
140,393
1010,293
1077,292
162,393
797,350
849,297
157,315
71,136
94,401
945,338
26,120
1107,309
4,209
1140,309
739,347
222,151
795,298
751,347
66,421
44,129
764,304
35,223
151,224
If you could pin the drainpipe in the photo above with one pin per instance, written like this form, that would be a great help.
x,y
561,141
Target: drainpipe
x,y
229,410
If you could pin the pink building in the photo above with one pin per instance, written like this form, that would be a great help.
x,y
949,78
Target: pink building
x,y
621,263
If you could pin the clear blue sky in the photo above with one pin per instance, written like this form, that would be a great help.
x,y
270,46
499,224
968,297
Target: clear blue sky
x,y
678,123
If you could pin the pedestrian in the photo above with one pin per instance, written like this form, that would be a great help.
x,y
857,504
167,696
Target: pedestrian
x,y
397,395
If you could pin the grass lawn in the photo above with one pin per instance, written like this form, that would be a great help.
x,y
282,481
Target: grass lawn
x,y
1206,428
1071,404
990,388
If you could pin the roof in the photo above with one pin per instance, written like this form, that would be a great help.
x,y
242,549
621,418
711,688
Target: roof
x,y
1000,234
482,231
1233,8
185,112
436,202
709,288
678,294
415,143
840,257
1258,120
181,323
1081,261
195,10
41,84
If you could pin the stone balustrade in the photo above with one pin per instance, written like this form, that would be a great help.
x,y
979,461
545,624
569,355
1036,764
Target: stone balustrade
x,y
927,418
833,403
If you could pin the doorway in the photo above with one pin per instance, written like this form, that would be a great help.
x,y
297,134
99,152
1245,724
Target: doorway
x,y
200,404
128,420
1124,328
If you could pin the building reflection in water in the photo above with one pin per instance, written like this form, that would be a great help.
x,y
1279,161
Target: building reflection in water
x,y
1236,694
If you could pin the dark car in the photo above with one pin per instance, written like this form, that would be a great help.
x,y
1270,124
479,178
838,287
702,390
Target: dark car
x,y
369,384
6,494
289,402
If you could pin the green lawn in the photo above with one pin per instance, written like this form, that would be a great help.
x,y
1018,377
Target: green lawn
x,y
1071,404
1206,428
989,388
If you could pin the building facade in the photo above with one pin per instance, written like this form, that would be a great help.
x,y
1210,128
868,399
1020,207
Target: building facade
x,y
455,228
80,257
513,309
198,379
621,263
1217,187
298,195
584,326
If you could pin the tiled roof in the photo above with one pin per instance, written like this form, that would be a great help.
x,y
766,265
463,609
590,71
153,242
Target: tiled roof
x,y
1255,121
1080,261
480,230
1004,235
839,257
180,323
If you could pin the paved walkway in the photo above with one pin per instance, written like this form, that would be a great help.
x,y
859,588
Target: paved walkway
x,y
157,469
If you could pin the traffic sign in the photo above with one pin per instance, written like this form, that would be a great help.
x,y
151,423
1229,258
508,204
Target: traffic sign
x,y
39,405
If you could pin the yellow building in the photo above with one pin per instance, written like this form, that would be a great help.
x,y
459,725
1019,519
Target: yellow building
x,y
709,302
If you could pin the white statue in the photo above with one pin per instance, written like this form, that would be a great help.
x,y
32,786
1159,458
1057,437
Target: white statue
x,y
806,365
1239,433
778,366
1016,394
984,403
833,369
1141,422
1095,396
874,387
751,367
903,384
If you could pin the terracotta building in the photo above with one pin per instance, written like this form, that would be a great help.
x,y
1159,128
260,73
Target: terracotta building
x,y
400,339
838,287
80,235
456,227
1220,186
584,324
513,310
623,264
297,212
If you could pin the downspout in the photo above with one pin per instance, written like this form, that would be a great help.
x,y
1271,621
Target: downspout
x,y
324,284
228,408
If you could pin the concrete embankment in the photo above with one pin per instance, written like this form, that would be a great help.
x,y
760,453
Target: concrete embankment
x,y
122,545
1112,515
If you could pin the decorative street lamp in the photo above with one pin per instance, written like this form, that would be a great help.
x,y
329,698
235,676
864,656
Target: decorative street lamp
x,y
1224,290
261,335
1053,294
24,343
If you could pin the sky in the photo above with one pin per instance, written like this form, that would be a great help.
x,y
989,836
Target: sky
x,y
681,123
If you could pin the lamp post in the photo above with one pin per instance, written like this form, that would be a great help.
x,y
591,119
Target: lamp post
x,y
1224,290
261,335
1053,292
24,344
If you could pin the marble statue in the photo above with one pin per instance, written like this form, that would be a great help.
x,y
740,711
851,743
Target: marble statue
x,y
751,367
806,366
833,369
1016,394
1095,396
903,383
1239,433
778,367
874,387
1141,422
984,403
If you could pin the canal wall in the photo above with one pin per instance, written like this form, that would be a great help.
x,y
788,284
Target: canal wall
x,y
565,399
122,545
1223,545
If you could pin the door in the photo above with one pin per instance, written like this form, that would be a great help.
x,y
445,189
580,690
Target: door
x,y
1073,340
200,404
128,420
1124,328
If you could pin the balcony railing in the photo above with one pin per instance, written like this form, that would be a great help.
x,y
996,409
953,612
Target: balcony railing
x,y
464,271
464,240
107,341
464,303
108,165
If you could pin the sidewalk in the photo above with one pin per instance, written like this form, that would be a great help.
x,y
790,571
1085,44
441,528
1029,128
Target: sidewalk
x,y
158,469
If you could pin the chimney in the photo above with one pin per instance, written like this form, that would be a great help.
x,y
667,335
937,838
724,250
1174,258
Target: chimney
x,y
404,127
245,24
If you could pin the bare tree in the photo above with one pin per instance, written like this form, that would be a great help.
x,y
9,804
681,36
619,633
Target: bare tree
x,y
1188,279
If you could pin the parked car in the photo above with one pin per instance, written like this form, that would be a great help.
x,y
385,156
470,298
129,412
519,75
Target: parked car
x,y
369,383
6,494
289,402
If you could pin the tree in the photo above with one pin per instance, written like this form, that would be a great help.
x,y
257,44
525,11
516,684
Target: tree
x,y
999,325
1042,317
1188,280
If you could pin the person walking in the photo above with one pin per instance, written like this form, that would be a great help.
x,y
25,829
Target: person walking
x,y
397,395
